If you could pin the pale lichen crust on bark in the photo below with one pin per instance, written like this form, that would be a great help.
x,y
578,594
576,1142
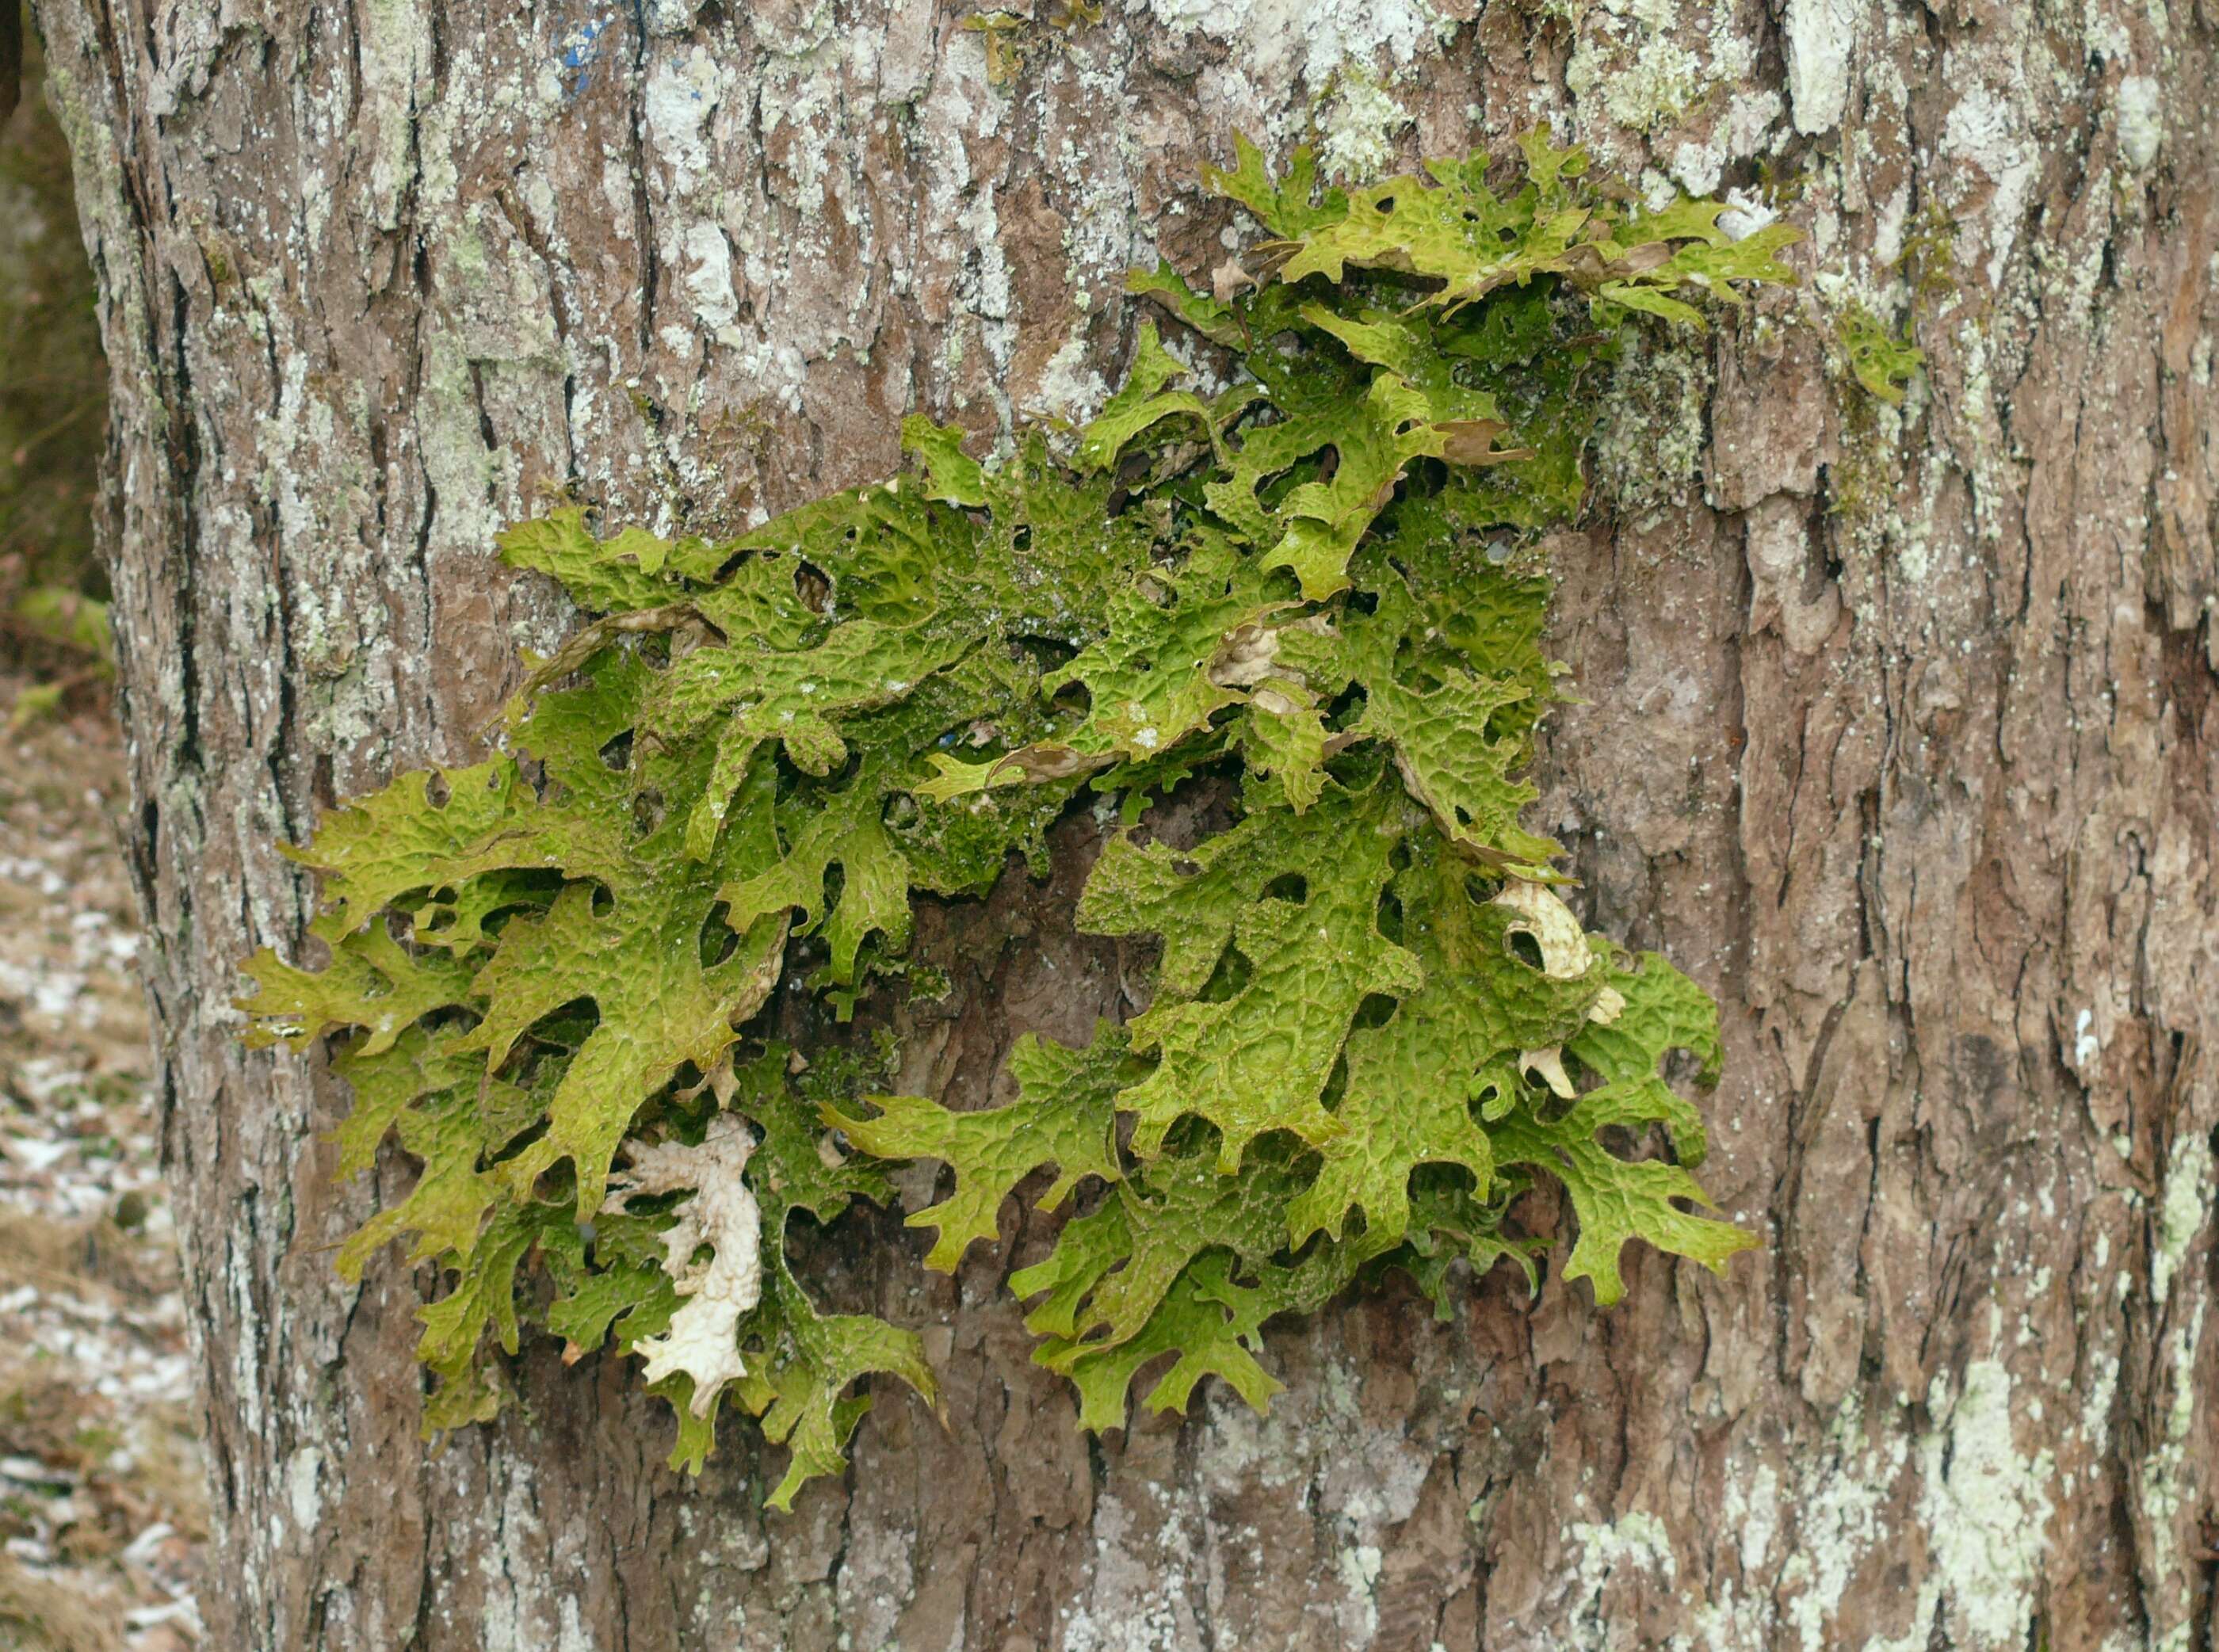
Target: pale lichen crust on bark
x,y
1374,1022
703,1342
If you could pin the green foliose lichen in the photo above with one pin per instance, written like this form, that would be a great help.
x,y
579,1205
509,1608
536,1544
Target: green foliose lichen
x,y
1879,361
1374,1023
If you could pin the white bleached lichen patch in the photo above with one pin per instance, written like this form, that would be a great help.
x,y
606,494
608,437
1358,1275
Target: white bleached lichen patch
x,y
1636,1542
1070,390
1359,1574
1985,129
1565,956
1356,132
2167,1483
709,276
1746,214
2141,121
304,1488
1697,166
1636,1539
1648,64
2185,1208
1280,41
681,97
2087,1046
393,55
1754,1510
1983,1510
1628,61
1137,1598
1987,1510
1726,1620
1649,443
1361,1476
703,1340
1557,934
801,96
1838,1502
1819,35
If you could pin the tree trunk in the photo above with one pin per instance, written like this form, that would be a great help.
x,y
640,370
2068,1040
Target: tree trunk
x,y
1901,735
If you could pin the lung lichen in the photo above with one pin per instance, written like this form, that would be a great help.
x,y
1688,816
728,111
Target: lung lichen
x,y
1374,1023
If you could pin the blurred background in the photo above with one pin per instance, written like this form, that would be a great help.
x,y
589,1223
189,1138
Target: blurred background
x,y
102,1502
54,412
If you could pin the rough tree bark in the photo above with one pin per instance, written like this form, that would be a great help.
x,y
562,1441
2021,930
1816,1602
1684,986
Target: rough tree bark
x,y
1901,737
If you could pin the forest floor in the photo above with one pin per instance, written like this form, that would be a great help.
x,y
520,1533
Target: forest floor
x,y
103,1507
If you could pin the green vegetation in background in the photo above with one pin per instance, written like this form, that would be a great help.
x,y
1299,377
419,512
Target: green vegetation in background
x,y
53,409
1281,563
